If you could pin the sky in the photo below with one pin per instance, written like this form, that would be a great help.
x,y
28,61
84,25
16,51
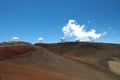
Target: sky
x,y
54,19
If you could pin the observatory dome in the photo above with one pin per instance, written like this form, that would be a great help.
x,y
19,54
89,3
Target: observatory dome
x,y
15,39
63,39
40,40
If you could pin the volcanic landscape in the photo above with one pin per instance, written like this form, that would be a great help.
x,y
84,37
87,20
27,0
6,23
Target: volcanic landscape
x,y
59,61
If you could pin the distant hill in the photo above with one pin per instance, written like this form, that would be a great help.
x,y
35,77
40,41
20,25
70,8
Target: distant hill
x,y
15,50
97,54
13,43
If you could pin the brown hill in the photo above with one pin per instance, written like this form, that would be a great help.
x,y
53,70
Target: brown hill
x,y
42,64
96,54
45,60
9,51
9,71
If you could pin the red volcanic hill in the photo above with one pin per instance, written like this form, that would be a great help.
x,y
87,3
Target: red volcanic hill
x,y
61,61
15,50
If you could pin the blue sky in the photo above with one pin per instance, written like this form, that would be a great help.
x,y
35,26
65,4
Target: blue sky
x,y
31,19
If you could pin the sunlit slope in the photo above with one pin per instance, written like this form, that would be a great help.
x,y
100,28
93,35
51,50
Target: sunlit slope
x,y
115,66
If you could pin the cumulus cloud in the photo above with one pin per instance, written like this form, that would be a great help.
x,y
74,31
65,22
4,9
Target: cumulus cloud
x,y
72,29
104,33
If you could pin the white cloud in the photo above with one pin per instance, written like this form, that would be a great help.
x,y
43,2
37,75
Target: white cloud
x,y
104,33
72,29
111,30
88,21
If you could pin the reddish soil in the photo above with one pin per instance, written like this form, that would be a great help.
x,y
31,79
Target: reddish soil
x,y
29,62
12,71
15,50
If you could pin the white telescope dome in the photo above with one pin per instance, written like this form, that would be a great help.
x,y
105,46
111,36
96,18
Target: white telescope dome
x,y
40,40
63,39
15,39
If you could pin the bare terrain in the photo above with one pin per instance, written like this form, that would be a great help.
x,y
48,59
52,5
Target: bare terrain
x,y
59,61
97,54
